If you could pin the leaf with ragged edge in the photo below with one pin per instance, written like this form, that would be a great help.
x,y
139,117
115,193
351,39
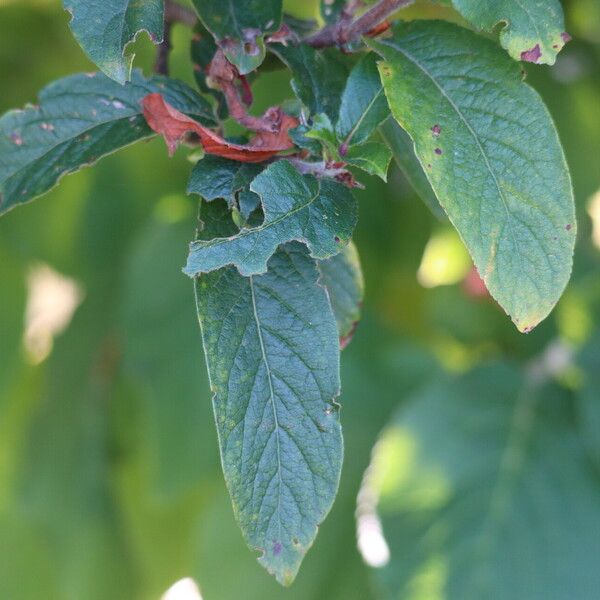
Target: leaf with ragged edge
x,y
485,491
492,155
239,27
216,177
104,29
272,352
403,151
320,213
319,77
372,157
175,126
364,105
531,30
79,119
343,279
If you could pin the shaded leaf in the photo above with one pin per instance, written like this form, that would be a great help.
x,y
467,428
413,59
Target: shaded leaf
x,y
485,491
588,396
533,31
320,213
364,105
403,151
216,177
477,128
239,28
273,359
343,279
319,77
103,30
79,119
372,157
175,127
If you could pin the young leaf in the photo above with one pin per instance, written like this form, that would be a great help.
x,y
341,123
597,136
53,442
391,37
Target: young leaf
x,y
272,352
364,105
403,151
320,213
239,28
319,77
492,156
343,279
175,126
533,31
78,120
216,177
372,157
485,491
103,29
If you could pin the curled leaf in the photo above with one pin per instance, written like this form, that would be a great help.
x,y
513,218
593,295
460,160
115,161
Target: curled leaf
x,y
174,126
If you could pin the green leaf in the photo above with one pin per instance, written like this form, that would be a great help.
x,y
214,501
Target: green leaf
x,y
372,157
331,10
403,151
492,156
343,279
272,351
588,397
319,77
216,177
485,491
532,30
239,27
79,120
104,29
364,105
320,213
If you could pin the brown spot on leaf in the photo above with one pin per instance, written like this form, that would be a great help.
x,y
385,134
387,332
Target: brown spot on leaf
x,y
438,151
532,55
277,548
565,37
436,130
568,226
16,139
527,329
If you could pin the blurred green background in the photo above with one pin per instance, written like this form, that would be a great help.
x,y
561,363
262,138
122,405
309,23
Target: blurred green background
x,y
110,482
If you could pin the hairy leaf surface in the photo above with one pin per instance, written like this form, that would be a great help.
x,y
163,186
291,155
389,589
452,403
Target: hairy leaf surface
x,y
532,30
239,27
485,491
104,28
343,279
364,105
322,214
272,351
78,120
492,155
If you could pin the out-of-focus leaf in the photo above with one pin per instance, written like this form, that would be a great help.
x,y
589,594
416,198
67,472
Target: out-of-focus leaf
x,y
403,151
588,396
79,120
364,105
477,127
531,30
216,177
319,77
320,213
485,491
331,10
103,29
343,279
239,28
272,351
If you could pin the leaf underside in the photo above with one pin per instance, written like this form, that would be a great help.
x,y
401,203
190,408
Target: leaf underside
x,y
492,155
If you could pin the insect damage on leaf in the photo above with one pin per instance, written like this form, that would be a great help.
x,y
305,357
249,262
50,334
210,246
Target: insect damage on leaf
x,y
175,127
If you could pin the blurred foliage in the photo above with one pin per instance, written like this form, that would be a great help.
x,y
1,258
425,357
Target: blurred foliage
x,y
110,482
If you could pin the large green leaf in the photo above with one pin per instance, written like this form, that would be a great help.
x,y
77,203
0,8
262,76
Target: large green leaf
x,y
403,151
239,27
320,213
272,351
79,119
485,491
319,77
343,279
532,30
492,155
364,105
103,29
